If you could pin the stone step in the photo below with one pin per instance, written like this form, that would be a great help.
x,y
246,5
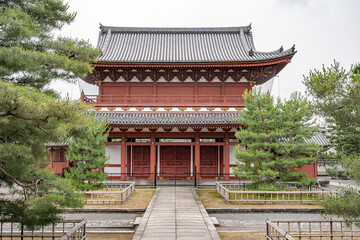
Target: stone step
x,y
137,221
215,221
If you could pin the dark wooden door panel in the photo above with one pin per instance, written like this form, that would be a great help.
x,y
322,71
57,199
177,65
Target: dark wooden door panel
x,y
141,161
208,161
175,159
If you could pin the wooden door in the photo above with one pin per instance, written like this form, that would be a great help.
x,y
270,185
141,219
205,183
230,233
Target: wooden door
x,y
141,161
209,161
175,159
59,161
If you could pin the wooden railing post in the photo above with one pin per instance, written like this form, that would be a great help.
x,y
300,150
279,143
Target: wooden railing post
x,y
331,230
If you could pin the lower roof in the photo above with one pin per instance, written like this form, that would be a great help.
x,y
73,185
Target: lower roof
x,y
170,118
161,119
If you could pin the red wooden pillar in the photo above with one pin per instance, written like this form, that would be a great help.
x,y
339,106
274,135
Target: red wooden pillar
x,y
152,156
123,157
82,95
315,166
227,157
197,153
51,158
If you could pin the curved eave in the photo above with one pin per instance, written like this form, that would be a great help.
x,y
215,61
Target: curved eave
x,y
266,62
126,126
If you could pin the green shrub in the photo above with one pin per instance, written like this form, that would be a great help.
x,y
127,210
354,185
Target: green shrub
x,y
332,172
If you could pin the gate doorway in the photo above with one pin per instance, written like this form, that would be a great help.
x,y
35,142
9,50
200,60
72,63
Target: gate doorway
x,y
175,162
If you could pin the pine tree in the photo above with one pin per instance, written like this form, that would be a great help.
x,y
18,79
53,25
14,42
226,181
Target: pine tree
x,y
274,136
86,152
30,55
336,98
28,120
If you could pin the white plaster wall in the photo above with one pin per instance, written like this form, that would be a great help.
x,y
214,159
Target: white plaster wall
x,y
232,155
112,170
114,152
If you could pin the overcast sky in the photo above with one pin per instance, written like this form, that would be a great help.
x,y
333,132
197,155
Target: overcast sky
x,y
322,30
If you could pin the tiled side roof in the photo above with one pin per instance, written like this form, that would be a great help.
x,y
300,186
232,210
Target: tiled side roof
x,y
319,138
181,45
56,144
170,118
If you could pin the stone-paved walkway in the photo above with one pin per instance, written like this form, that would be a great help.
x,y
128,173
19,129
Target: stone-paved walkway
x,y
175,213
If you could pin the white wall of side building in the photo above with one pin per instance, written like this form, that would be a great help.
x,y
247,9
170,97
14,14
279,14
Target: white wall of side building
x,y
232,157
113,170
114,154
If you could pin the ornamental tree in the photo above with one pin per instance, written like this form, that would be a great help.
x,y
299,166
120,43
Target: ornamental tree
x,y
336,98
86,152
28,120
30,55
275,137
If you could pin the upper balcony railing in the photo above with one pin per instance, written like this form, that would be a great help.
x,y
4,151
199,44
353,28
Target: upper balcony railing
x,y
156,100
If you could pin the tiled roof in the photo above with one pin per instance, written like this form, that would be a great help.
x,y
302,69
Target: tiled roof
x,y
134,119
56,144
169,118
181,45
319,138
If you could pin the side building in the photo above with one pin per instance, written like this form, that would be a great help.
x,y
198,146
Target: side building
x,y
172,96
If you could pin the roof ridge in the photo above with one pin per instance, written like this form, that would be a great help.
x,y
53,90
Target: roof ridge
x,y
174,30
106,41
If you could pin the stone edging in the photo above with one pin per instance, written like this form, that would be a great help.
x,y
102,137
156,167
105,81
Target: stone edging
x,y
212,230
145,218
109,210
264,210
209,210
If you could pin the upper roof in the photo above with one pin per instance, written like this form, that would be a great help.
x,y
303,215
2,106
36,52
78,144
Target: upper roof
x,y
181,45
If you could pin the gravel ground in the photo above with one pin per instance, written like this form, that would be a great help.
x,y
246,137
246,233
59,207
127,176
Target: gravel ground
x,y
255,222
105,222
233,222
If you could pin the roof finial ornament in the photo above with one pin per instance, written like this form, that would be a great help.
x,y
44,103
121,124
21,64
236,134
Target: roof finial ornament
x,y
251,53
281,49
247,30
100,26
293,48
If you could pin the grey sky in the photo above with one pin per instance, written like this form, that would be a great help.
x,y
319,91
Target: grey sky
x,y
323,30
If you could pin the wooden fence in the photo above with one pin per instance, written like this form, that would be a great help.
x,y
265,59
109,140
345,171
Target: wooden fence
x,y
67,229
331,230
237,192
77,233
114,191
274,232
